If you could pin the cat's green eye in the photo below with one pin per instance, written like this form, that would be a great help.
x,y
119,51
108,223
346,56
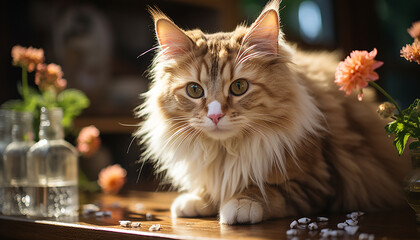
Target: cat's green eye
x,y
194,90
239,87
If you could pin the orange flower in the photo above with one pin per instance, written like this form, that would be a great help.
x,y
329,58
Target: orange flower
x,y
88,141
411,52
112,178
414,31
27,57
356,70
50,76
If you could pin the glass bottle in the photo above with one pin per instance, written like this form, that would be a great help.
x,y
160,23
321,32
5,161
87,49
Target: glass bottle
x,y
52,165
411,183
16,200
5,139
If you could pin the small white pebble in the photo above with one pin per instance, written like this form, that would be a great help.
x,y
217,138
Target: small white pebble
x,y
358,213
155,227
149,216
325,230
351,229
135,224
125,223
99,214
342,225
107,213
312,226
322,219
90,208
291,232
352,222
87,211
355,215
304,220
293,224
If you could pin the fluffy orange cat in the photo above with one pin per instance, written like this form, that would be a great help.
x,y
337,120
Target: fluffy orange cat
x,y
251,128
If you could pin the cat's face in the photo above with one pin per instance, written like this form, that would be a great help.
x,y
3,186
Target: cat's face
x,y
224,84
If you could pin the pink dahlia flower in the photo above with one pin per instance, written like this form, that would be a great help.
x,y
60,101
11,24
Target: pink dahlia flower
x,y
112,178
88,141
411,52
356,70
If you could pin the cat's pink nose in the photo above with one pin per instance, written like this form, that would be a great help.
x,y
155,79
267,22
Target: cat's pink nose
x,y
215,117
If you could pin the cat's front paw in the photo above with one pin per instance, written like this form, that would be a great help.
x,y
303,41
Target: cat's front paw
x,y
241,210
191,205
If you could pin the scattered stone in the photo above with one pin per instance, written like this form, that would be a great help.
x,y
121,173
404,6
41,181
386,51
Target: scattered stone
x,y
342,225
355,215
351,229
125,223
293,224
99,214
107,213
149,216
352,222
136,224
312,226
89,208
304,220
155,227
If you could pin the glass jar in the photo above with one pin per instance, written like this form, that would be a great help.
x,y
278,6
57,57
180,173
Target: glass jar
x,y
5,139
411,184
16,199
52,165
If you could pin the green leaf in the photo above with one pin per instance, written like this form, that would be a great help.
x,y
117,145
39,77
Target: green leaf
x,y
391,127
72,101
400,141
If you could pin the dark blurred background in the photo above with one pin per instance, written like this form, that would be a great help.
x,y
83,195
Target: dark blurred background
x,y
97,43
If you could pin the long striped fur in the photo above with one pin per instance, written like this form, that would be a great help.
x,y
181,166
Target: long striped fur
x,y
291,145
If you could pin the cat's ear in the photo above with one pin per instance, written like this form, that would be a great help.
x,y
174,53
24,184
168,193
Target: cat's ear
x,y
172,39
264,33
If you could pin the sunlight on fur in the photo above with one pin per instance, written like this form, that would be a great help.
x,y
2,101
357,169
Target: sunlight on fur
x,y
252,128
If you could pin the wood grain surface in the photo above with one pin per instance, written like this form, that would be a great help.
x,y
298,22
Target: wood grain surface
x,y
133,206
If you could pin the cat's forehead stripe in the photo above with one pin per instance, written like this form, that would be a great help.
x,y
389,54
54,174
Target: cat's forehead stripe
x,y
214,72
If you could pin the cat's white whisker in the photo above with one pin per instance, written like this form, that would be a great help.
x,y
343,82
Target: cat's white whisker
x,y
147,51
241,54
174,136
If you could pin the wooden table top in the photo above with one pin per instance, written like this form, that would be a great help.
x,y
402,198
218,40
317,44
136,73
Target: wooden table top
x,y
133,206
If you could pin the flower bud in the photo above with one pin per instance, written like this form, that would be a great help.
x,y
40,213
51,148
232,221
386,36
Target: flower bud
x,y
386,110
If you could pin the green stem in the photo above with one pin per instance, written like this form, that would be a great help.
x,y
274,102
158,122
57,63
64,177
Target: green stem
x,y
380,89
25,89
